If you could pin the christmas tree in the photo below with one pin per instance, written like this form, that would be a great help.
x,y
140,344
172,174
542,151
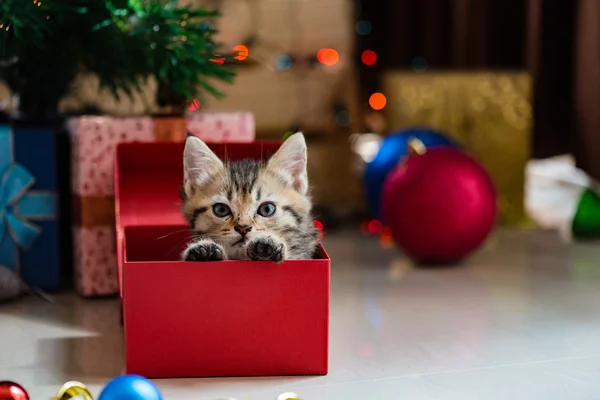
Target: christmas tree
x,y
45,44
179,49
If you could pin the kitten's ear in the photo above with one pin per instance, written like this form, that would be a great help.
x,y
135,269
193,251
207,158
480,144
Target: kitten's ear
x,y
200,164
289,162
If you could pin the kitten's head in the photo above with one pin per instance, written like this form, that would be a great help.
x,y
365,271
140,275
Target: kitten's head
x,y
232,202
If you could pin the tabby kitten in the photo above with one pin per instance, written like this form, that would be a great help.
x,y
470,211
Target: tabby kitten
x,y
248,209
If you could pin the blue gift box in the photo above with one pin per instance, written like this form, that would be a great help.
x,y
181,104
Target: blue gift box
x,y
29,224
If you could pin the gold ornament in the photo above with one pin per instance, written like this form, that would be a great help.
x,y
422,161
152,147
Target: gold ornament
x,y
73,390
416,147
288,396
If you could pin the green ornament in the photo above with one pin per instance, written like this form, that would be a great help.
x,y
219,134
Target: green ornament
x,y
287,135
586,223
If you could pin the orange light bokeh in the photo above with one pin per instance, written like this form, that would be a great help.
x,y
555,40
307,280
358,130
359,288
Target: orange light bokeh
x,y
368,57
328,57
242,52
386,242
377,101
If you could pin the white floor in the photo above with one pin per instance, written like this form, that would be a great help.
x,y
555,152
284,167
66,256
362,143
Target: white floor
x,y
520,321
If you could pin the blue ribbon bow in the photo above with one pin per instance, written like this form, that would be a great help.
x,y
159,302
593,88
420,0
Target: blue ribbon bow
x,y
18,205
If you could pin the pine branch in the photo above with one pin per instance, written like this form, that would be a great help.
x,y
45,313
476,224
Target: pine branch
x,y
178,43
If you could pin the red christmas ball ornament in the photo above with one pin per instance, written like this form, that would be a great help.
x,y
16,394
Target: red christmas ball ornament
x,y
12,391
440,204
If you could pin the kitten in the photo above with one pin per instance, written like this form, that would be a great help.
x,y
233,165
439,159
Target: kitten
x,y
248,209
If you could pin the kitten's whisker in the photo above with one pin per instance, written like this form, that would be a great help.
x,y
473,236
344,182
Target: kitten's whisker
x,y
179,247
172,233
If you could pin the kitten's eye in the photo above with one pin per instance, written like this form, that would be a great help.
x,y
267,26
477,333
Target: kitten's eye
x,y
266,209
221,210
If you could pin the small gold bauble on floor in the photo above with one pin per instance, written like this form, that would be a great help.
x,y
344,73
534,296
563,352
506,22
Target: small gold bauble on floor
x,y
73,390
288,396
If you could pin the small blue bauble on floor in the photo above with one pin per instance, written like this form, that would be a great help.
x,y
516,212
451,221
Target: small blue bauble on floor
x,y
130,387
393,148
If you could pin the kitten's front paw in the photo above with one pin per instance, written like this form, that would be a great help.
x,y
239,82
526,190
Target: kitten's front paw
x,y
204,250
266,248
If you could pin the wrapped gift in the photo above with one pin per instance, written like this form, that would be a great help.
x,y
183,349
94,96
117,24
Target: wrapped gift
x,y
29,223
169,126
93,142
488,112
222,127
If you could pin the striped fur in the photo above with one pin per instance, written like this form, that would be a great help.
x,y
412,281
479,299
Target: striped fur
x,y
244,186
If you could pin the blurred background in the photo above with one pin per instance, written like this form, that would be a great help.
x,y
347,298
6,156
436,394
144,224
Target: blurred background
x,y
516,84
454,133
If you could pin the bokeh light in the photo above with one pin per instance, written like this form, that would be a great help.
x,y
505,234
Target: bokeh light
x,y
375,227
386,240
419,64
368,57
377,101
194,105
342,118
319,225
363,27
218,59
366,146
320,228
376,121
242,52
283,62
328,57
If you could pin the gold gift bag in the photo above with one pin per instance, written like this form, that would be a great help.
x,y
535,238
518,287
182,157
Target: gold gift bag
x,y
488,112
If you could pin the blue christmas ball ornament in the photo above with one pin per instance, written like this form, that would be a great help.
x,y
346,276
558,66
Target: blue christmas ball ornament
x,y
393,148
130,387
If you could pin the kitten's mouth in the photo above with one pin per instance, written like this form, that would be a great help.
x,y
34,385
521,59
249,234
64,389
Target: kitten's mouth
x,y
241,241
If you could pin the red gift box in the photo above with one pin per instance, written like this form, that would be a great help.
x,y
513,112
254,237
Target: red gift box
x,y
225,318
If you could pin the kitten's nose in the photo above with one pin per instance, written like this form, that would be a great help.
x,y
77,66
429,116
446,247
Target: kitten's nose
x,y
243,229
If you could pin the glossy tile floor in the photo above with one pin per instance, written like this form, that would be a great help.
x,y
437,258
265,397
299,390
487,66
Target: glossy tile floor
x,y
521,320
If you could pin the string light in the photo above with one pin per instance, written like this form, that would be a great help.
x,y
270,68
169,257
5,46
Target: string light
x,y
376,122
220,60
283,62
419,64
377,101
194,105
385,239
342,118
320,228
368,57
363,27
328,57
366,146
242,52
375,227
